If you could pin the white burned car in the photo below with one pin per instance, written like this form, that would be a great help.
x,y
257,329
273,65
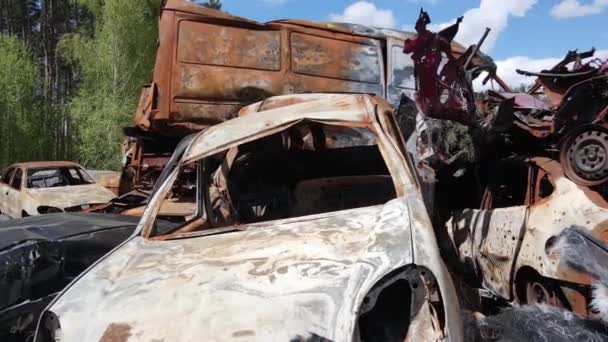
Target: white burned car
x,y
510,245
36,188
308,226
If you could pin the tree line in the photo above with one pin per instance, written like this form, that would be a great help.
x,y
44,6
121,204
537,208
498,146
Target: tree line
x,y
70,76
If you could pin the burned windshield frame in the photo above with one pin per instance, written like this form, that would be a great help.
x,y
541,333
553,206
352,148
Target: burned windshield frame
x,y
207,221
200,212
203,193
8,174
63,173
17,179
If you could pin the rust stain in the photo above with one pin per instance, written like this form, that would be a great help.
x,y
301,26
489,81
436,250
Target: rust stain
x,y
116,332
243,333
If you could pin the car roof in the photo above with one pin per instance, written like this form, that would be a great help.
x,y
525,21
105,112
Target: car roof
x,y
43,164
337,109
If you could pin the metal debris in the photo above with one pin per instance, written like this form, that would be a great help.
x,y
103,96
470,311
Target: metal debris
x,y
541,166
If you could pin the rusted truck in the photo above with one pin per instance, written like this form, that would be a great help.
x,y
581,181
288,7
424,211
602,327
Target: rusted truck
x,y
209,64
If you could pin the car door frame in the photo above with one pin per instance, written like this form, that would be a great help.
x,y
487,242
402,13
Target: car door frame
x,y
4,188
13,195
488,240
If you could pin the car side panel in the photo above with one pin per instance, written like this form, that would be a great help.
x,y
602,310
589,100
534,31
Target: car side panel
x,y
13,202
3,198
488,241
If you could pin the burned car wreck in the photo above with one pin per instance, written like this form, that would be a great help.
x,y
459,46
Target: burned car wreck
x,y
37,188
537,179
526,205
563,116
315,242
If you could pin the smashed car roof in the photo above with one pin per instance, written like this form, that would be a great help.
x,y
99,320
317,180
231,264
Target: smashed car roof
x,y
351,109
41,164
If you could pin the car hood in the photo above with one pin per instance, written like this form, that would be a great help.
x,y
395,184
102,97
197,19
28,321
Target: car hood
x,y
69,196
58,226
295,278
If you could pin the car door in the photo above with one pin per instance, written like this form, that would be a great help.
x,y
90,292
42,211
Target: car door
x,y
4,188
491,237
13,194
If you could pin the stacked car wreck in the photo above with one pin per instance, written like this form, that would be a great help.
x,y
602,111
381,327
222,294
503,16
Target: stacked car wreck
x,y
542,167
195,86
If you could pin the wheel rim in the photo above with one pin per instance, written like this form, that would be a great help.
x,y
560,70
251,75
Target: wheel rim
x,y
537,293
586,157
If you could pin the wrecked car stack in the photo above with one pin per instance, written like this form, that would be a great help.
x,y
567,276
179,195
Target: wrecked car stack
x,y
568,116
334,215
541,164
194,86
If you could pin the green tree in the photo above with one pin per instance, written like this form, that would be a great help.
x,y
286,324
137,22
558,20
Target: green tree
x,y
114,62
20,120
39,24
215,4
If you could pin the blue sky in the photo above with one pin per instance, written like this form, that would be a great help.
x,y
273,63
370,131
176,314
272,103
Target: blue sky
x,y
526,33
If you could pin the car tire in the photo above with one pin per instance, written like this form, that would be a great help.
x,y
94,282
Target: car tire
x,y
532,288
584,155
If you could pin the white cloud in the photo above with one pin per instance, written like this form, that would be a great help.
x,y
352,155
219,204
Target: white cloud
x,y
494,14
507,67
366,13
574,8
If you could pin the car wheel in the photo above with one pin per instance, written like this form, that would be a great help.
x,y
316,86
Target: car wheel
x,y
584,155
537,293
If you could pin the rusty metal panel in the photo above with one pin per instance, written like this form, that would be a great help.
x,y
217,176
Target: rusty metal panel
x,y
332,58
491,238
201,43
209,64
218,84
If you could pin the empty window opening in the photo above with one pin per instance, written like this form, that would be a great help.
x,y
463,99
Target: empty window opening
x,y
545,187
306,170
17,179
508,185
54,177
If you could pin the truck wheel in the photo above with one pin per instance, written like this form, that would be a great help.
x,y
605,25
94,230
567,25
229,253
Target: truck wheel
x,y
584,155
